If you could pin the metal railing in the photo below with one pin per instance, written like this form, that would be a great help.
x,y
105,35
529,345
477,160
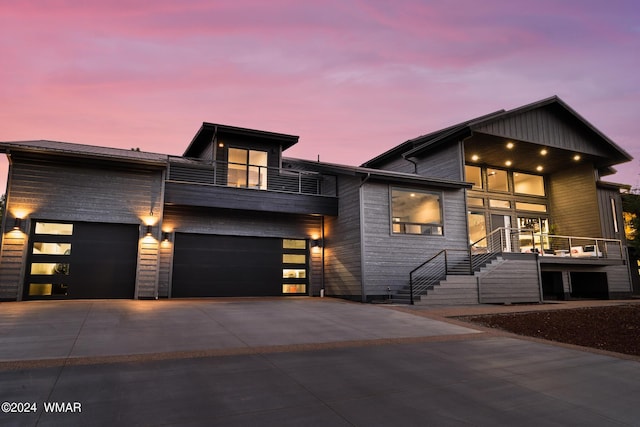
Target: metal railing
x,y
435,269
505,239
239,175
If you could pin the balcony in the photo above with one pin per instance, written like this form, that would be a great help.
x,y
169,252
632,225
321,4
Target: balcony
x,y
552,248
250,187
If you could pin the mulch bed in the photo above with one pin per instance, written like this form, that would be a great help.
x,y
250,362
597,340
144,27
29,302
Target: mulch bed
x,y
611,328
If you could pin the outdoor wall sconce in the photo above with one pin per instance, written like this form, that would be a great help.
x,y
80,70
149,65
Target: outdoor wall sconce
x,y
165,236
17,224
149,230
316,243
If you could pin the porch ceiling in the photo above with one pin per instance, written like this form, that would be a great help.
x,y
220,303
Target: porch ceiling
x,y
524,156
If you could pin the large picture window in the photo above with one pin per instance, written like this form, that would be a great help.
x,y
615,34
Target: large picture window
x,y
525,183
247,168
416,212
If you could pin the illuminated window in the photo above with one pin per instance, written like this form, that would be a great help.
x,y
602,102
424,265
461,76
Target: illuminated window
x,y
477,202
474,174
294,244
497,180
54,228
247,168
43,248
502,204
294,266
477,227
534,207
49,268
293,289
416,212
525,183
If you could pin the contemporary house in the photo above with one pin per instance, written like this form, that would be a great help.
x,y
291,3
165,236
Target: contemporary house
x,y
508,207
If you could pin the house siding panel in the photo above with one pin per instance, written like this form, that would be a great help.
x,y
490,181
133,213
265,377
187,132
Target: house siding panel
x,y
389,258
79,192
445,163
573,202
342,243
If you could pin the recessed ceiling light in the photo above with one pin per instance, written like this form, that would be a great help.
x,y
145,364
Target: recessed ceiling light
x,y
576,157
544,151
539,168
508,163
510,145
475,157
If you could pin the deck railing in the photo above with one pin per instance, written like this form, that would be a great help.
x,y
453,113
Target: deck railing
x,y
238,175
505,239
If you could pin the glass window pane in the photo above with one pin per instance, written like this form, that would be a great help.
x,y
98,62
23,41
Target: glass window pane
x,y
475,201
294,259
525,183
294,244
258,158
536,207
294,289
238,155
497,180
416,212
473,174
290,273
49,268
477,227
503,204
43,248
54,228
47,289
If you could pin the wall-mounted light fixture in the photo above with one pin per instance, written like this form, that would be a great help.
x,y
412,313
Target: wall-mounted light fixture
x,y
17,224
316,243
165,236
149,231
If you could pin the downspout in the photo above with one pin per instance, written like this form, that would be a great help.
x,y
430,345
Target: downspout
x,y
362,246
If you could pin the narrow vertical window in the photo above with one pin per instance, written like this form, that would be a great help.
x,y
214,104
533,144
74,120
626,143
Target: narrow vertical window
x,y
615,215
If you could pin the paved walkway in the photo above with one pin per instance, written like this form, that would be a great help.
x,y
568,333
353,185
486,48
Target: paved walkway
x,y
299,361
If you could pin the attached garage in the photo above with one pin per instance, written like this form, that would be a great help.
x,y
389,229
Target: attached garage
x,y
81,260
225,266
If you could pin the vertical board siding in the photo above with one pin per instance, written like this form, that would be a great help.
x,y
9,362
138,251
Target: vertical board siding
x,y
79,192
342,243
550,126
573,202
165,268
445,162
240,223
606,214
390,258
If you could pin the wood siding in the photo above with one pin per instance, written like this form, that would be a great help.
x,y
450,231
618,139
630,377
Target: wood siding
x,y
608,223
79,192
573,201
238,223
343,276
444,162
551,126
389,258
202,195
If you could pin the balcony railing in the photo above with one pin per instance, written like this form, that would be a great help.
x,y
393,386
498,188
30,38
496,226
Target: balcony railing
x,y
238,175
528,241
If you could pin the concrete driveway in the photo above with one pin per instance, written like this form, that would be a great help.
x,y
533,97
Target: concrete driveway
x,y
298,361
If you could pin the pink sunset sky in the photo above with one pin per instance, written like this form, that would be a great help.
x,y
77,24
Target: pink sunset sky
x,y
352,78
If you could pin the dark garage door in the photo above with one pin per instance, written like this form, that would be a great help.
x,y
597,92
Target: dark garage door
x,y
218,266
81,260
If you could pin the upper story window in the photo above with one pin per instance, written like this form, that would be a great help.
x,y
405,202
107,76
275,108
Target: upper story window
x,y
474,175
416,212
525,183
497,180
247,168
